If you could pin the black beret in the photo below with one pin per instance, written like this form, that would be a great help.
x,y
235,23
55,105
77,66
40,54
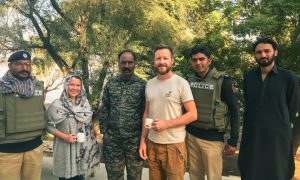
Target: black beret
x,y
20,55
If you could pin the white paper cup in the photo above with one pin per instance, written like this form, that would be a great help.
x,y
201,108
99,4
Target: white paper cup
x,y
148,123
80,137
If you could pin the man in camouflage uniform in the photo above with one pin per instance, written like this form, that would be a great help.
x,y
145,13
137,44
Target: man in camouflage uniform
x,y
120,119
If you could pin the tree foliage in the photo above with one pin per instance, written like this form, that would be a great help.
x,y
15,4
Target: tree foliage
x,y
87,35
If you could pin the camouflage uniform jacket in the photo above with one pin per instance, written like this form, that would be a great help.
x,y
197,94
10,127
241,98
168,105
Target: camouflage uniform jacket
x,y
122,107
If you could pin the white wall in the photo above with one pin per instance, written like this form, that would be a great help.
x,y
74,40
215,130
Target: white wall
x,y
3,68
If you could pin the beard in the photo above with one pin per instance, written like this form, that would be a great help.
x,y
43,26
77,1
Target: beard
x,y
265,63
168,69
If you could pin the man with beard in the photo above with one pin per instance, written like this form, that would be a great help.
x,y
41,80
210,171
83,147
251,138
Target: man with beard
x,y
120,118
217,106
270,107
165,95
22,120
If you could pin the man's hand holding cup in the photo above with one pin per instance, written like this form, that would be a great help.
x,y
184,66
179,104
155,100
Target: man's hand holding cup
x,y
148,123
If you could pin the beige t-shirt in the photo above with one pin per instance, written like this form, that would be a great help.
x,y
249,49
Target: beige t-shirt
x,y
166,99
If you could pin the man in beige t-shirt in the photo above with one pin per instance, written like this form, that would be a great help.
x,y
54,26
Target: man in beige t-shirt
x,y
166,95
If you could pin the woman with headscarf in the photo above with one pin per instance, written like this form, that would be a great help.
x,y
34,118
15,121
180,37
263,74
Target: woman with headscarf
x,y
68,116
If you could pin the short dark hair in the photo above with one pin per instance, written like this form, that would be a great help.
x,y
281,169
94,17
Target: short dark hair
x,y
200,49
163,46
265,40
127,51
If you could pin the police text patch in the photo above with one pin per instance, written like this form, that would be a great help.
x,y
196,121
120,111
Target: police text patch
x,y
202,85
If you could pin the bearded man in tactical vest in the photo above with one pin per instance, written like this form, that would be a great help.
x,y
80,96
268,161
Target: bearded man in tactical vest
x,y
22,120
217,108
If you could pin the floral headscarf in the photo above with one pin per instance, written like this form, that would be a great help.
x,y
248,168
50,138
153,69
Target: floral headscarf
x,y
80,111
81,98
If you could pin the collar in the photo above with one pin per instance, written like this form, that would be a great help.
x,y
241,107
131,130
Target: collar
x,y
209,72
133,77
274,69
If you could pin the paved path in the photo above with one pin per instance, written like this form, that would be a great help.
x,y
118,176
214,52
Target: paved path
x,y
100,173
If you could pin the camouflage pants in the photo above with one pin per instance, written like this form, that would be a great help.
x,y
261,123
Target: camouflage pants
x,y
120,152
